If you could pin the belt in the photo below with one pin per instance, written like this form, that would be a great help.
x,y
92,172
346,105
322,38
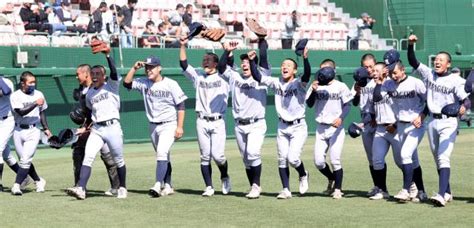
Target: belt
x,y
161,123
247,121
297,121
439,116
107,122
209,118
405,122
25,126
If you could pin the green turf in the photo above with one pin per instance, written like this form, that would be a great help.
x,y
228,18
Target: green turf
x,y
187,208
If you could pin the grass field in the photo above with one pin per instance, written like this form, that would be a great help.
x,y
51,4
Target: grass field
x,y
187,208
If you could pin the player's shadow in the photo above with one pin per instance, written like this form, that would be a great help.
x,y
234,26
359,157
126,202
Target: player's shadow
x,y
354,193
143,192
199,192
463,198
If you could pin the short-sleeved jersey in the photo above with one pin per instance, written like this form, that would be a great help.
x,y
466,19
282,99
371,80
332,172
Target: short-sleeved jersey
x,y
329,101
385,110
366,97
20,100
442,90
160,98
105,101
289,97
5,106
212,92
409,96
249,97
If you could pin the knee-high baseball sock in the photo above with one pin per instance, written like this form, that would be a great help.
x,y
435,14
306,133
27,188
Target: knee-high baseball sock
x,y
168,174
383,179
448,190
33,174
84,177
285,177
249,175
14,167
257,172
338,174
21,175
161,169
301,170
206,171
407,175
418,178
444,174
223,168
327,172
1,172
372,174
122,174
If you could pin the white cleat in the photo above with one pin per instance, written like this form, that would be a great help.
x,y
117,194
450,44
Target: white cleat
x,y
40,185
413,190
16,190
27,181
77,192
438,200
421,197
122,193
304,183
254,192
448,197
167,190
111,192
209,191
337,194
155,191
329,188
403,195
380,195
373,191
226,187
284,194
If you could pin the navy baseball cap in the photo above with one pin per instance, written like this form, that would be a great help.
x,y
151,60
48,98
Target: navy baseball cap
x,y
325,75
361,76
153,61
300,46
391,57
354,130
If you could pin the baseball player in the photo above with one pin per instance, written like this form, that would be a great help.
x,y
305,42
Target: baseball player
x,y
164,105
331,99
212,93
442,88
408,95
290,93
249,99
83,75
28,106
104,102
363,99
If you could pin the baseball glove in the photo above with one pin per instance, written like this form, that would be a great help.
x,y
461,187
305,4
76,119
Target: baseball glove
x,y
451,110
53,142
99,46
354,130
213,34
78,115
255,27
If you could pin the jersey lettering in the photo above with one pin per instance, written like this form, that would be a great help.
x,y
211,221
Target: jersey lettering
x,y
158,93
286,93
324,95
439,88
100,98
210,85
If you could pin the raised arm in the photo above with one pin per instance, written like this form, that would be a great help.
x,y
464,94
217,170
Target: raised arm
x,y
262,48
411,52
183,59
253,67
307,66
127,81
113,70
224,60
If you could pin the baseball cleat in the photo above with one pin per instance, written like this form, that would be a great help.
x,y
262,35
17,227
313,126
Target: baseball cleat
x,y
284,194
403,195
304,183
155,191
421,197
329,188
27,181
122,193
16,190
337,194
167,190
77,192
254,192
448,197
380,195
413,190
226,187
111,192
209,191
438,200
40,185
373,191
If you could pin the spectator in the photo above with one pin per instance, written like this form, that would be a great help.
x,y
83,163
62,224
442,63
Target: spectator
x,y
174,18
291,23
149,36
32,18
67,18
164,33
364,23
126,25
112,20
96,22
52,19
188,15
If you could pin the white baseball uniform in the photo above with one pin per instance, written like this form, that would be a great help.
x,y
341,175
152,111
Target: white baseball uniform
x,y
7,124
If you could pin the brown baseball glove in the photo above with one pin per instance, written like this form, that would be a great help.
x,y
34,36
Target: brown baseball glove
x,y
255,27
213,34
99,46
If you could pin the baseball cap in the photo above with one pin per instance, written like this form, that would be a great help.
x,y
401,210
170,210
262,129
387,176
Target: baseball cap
x,y
364,14
391,57
325,75
360,76
153,61
300,46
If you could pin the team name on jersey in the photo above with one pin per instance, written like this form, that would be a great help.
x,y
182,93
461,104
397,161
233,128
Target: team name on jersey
x,y
385,100
403,94
28,103
245,85
158,93
286,93
324,95
366,90
210,85
100,98
439,88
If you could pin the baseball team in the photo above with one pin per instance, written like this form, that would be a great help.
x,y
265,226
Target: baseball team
x,y
393,108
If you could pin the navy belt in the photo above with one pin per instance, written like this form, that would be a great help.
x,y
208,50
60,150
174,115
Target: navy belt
x,y
161,123
439,116
247,121
25,126
297,121
107,122
209,118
